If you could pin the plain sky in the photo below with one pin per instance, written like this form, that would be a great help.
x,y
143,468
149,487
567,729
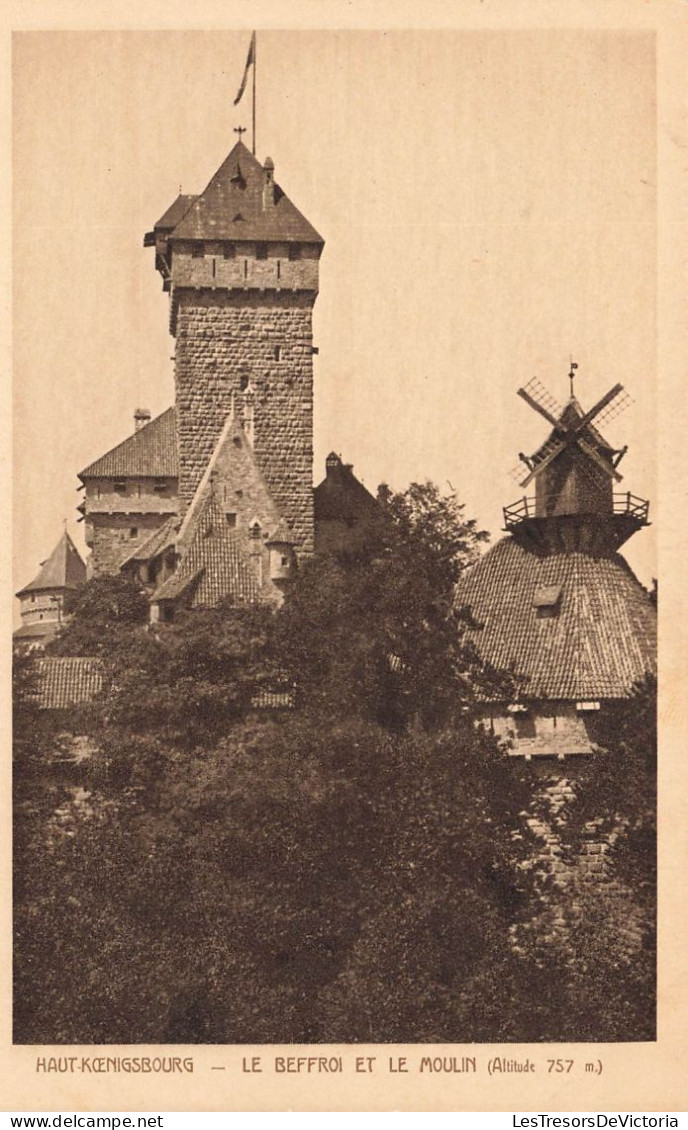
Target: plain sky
x,y
488,204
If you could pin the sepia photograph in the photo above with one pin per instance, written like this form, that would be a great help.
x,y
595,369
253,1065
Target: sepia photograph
x,y
335,376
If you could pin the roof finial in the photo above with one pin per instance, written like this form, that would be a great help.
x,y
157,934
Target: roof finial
x,y
572,372
239,130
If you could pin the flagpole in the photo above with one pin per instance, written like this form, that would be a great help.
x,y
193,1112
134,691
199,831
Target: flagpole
x,y
255,57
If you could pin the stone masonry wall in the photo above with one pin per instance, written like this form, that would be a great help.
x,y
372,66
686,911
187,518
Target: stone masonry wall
x,y
111,540
223,339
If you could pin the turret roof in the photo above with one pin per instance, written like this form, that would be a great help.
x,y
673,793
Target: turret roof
x,y
64,569
150,451
341,496
232,207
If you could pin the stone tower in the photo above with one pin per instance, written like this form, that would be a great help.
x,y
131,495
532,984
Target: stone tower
x,y
240,264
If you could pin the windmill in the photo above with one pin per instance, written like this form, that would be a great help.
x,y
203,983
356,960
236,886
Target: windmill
x,y
554,602
575,470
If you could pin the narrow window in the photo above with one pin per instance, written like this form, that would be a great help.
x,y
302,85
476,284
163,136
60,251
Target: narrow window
x,y
261,251
279,269
278,353
245,268
244,381
33,598
133,531
285,562
120,487
231,520
197,250
255,530
239,494
294,251
214,268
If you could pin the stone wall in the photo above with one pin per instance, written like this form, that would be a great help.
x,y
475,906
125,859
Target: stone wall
x,y
41,606
111,539
224,340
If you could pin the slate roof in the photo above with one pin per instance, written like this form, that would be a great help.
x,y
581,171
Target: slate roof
x,y
236,189
598,640
63,682
175,212
213,562
340,496
151,451
64,569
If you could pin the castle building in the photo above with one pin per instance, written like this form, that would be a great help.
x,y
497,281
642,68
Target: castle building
x,y
214,498
130,491
42,600
554,602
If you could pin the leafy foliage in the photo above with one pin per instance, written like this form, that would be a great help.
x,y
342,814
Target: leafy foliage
x,y
355,868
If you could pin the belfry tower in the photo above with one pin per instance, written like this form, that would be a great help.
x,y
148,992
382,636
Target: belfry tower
x,y
240,264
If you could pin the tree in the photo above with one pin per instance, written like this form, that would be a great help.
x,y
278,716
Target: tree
x,y
98,612
378,635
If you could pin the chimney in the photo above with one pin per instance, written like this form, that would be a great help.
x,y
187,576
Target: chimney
x,y
268,184
141,417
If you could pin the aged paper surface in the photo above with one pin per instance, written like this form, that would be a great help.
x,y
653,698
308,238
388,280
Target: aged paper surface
x,y
362,109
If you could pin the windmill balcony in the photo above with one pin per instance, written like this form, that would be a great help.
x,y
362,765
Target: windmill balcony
x,y
624,504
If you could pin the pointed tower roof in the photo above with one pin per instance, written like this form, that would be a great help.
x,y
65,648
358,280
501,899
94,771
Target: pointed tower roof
x,y
238,204
150,451
64,569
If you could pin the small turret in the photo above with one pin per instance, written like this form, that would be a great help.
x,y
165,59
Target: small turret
x,y
281,548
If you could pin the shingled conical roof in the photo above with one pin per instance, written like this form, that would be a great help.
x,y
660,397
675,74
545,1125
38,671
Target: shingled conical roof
x,y
64,569
573,625
233,207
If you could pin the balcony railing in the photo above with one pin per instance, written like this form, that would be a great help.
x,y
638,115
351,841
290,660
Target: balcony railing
x,y
623,503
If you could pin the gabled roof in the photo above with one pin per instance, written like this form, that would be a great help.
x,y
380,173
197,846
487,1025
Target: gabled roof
x,y
233,460
213,562
64,569
598,639
151,451
340,496
236,190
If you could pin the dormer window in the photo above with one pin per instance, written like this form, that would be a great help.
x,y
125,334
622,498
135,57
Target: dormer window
x,y
261,251
546,600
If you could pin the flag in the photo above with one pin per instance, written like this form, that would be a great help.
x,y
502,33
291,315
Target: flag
x,y
250,62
